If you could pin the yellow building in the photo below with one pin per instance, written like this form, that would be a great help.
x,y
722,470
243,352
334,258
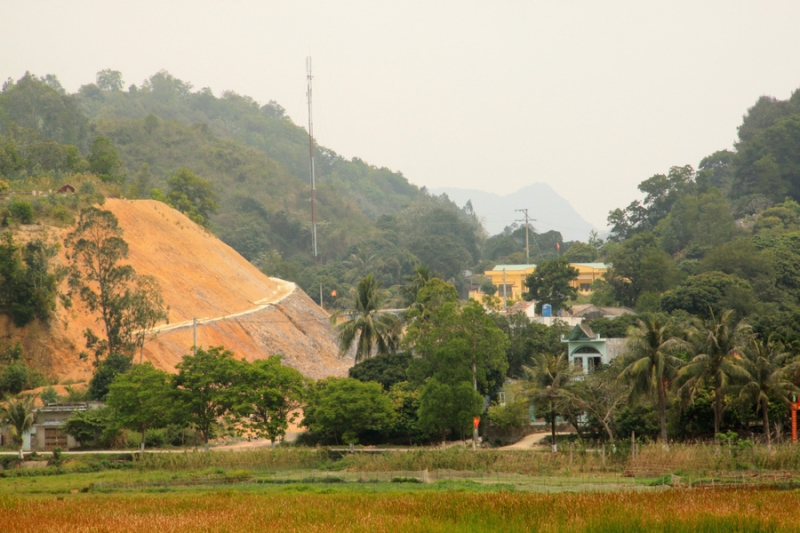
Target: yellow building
x,y
514,276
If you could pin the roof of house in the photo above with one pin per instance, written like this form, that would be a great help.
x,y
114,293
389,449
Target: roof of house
x,y
514,268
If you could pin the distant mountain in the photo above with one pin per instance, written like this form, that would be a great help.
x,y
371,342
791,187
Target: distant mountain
x,y
550,211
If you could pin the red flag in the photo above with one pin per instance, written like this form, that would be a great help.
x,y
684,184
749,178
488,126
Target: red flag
x,y
558,247
333,292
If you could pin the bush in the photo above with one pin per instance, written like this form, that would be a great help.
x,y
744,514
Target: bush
x,y
17,377
21,211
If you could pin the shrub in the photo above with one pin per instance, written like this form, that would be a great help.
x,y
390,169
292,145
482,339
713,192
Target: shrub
x,y
21,211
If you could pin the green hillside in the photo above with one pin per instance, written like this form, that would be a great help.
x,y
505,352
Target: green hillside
x,y
255,161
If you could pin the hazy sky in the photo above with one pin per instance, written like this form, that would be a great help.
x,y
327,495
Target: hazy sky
x,y
589,96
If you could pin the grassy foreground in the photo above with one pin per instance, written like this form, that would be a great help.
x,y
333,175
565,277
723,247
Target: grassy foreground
x,y
308,510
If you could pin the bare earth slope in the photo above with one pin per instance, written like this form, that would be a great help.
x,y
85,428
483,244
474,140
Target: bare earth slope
x,y
236,305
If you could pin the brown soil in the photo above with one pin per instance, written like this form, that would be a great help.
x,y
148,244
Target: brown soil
x,y
201,277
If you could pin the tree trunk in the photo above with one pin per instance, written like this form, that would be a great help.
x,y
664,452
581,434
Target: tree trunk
x,y
553,428
766,421
21,454
141,447
475,388
662,410
605,425
717,410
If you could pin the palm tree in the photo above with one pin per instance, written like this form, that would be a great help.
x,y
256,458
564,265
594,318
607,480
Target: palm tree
x,y
365,324
768,366
552,376
421,276
719,343
358,263
19,414
652,345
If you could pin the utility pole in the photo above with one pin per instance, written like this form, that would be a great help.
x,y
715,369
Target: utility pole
x,y
309,77
527,246
320,297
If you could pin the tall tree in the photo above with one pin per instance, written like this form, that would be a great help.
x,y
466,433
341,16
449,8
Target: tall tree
x,y
550,284
364,323
652,364
126,303
552,378
345,407
203,384
19,414
720,343
192,196
268,396
769,367
141,399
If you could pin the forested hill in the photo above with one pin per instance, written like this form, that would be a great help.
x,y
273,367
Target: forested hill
x,y
238,167
266,128
723,236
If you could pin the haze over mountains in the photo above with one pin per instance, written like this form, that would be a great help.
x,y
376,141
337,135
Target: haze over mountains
x,y
550,211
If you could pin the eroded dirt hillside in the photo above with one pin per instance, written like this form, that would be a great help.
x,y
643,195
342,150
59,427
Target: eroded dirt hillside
x,y
201,277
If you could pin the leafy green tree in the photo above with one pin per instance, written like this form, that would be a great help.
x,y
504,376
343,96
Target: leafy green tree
x,y
192,196
652,363
550,284
19,415
203,385
18,377
146,309
127,303
364,323
92,427
386,369
32,103
552,378
21,211
769,368
141,399
105,372
343,408
109,80
720,343
28,283
639,266
405,400
422,276
143,182
267,397
446,408
459,343
105,161
429,298
710,293
49,395
581,252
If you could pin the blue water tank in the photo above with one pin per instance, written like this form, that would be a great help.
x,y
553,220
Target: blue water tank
x,y
547,310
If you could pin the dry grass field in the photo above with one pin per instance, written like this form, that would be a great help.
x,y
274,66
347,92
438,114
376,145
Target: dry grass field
x,y
343,510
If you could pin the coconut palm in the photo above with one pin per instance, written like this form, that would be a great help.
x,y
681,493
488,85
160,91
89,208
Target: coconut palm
x,y
769,367
19,414
652,363
421,276
365,324
551,375
720,343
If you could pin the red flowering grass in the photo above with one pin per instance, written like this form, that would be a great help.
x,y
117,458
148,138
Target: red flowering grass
x,y
289,511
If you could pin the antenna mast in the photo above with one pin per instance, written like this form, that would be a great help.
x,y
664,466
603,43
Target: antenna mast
x,y
309,77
